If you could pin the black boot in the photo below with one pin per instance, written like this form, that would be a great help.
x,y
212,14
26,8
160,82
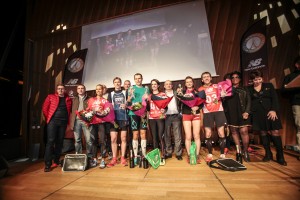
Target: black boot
x,y
246,156
239,158
266,143
279,150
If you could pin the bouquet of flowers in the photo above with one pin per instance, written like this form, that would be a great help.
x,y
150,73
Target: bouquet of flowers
x,y
190,100
136,106
86,116
139,108
161,101
224,88
108,114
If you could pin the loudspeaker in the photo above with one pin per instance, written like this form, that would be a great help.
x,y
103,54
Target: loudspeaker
x,y
227,164
75,162
3,166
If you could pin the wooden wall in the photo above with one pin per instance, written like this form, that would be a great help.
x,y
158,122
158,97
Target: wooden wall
x,y
54,33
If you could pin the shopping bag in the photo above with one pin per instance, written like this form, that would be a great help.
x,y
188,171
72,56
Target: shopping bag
x,y
153,158
193,157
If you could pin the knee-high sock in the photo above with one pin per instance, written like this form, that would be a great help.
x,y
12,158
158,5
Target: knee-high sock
x,y
222,143
143,146
209,145
135,145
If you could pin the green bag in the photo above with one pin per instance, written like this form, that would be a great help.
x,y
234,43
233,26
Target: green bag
x,y
153,158
193,157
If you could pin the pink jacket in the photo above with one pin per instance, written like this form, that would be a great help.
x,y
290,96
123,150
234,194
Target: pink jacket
x,y
97,105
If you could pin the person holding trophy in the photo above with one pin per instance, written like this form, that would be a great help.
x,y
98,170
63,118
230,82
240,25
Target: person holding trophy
x,y
137,97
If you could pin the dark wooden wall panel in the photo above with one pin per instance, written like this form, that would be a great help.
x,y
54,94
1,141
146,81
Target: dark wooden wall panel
x,y
227,19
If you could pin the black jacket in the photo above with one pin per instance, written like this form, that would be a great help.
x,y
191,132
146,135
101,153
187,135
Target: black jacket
x,y
244,97
267,97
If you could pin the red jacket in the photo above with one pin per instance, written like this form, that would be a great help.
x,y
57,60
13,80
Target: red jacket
x,y
51,103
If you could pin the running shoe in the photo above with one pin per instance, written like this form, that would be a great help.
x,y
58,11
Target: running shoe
x,y
93,163
226,150
102,164
209,158
222,156
112,163
124,161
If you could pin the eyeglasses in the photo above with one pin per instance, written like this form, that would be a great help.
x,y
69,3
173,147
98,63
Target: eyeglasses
x,y
235,77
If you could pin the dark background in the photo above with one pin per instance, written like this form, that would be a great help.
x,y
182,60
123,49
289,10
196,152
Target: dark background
x,y
11,67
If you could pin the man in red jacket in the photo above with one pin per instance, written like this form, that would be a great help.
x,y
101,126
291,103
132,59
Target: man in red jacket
x,y
56,109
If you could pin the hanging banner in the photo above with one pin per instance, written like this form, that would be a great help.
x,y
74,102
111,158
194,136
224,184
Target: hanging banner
x,y
74,71
72,77
254,52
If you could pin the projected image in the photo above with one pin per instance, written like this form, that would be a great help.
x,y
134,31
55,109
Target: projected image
x,y
167,44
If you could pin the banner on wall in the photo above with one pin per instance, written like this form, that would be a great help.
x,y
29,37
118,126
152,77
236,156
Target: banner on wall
x,y
254,52
72,77
74,71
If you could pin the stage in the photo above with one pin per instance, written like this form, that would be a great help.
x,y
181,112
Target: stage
x,y
175,180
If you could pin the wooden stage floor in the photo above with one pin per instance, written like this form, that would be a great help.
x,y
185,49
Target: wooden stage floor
x,y
175,180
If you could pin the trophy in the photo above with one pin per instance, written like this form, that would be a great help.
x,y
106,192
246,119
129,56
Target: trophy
x,y
179,90
131,92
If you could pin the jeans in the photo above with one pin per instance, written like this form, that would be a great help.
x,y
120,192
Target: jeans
x,y
55,138
173,124
296,113
79,126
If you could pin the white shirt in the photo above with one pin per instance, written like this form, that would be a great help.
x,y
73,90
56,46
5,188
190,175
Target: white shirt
x,y
172,106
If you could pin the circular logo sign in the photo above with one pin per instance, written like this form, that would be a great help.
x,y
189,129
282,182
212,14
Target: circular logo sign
x,y
254,42
75,65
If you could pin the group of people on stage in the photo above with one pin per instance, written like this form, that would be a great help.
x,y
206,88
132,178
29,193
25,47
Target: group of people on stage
x,y
135,110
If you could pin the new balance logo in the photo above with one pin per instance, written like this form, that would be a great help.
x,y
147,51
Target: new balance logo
x,y
72,81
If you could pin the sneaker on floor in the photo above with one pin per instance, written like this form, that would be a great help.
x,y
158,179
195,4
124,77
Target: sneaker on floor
x,y
226,150
93,163
124,161
102,164
162,161
54,165
250,150
112,163
209,158
47,169
222,156
179,157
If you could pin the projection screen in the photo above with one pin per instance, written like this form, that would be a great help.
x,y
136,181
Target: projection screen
x,y
167,43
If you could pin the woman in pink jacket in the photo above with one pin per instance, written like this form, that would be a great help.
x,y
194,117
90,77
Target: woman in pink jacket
x,y
100,106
